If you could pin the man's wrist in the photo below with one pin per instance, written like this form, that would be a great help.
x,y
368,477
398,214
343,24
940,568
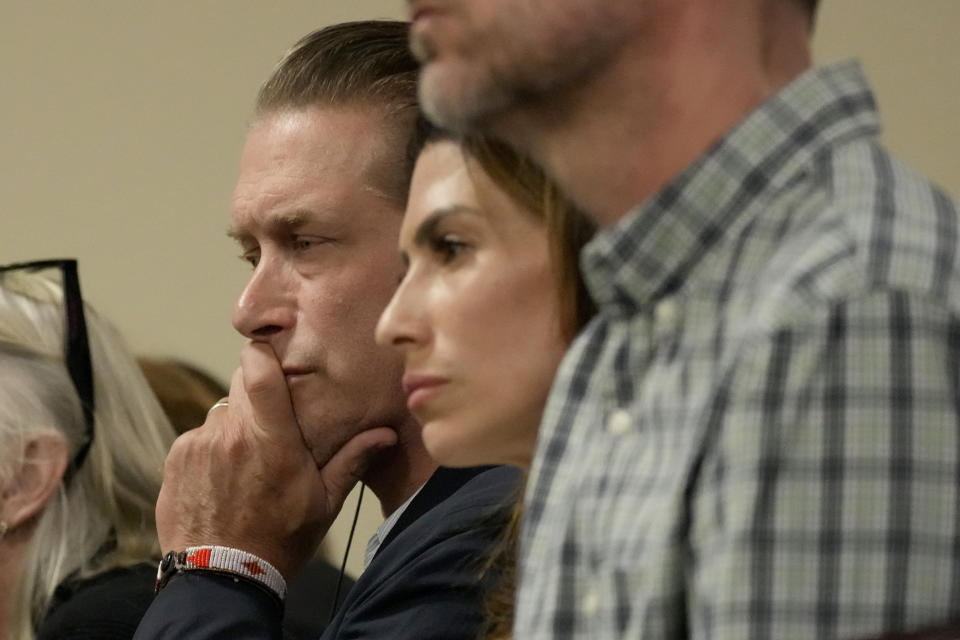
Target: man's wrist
x,y
227,561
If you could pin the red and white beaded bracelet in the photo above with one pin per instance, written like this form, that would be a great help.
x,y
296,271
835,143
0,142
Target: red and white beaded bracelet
x,y
222,560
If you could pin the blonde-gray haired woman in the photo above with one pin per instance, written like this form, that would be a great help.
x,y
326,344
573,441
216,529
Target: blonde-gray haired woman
x,y
82,442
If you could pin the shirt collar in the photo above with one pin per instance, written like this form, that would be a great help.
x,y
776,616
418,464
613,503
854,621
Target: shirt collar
x,y
649,253
373,545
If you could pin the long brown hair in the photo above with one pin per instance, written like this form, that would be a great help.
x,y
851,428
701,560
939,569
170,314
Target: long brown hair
x,y
567,231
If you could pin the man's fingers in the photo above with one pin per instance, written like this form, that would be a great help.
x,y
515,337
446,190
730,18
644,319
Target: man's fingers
x,y
265,395
346,467
235,397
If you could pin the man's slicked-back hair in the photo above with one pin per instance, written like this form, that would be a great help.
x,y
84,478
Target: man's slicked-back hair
x,y
347,63
365,63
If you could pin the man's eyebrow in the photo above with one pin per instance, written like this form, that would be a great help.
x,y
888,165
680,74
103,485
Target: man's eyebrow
x,y
275,226
236,234
427,229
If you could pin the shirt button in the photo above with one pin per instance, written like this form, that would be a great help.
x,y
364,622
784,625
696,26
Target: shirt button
x,y
590,603
665,314
619,422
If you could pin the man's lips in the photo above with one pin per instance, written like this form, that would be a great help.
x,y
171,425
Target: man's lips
x,y
420,10
423,15
296,372
421,388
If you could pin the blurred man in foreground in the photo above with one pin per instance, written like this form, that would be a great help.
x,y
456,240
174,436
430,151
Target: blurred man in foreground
x,y
758,437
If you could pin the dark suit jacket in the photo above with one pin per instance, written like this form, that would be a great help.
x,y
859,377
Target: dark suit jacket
x,y
316,583
424,582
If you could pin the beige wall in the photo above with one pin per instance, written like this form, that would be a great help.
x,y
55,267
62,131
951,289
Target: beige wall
x,y
122,122
120,127
911,54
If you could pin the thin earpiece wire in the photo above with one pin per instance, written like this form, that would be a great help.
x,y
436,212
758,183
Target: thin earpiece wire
x,y
346,552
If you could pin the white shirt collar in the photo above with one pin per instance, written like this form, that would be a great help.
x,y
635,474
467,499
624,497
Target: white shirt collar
x,y
384,529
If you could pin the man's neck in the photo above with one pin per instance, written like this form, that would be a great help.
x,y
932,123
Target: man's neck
x,y
398,472
624,133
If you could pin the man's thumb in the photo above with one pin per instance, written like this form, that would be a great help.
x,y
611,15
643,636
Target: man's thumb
x,y
348,465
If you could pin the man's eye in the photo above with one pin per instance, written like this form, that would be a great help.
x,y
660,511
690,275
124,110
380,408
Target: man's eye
x,y
250,257
306,243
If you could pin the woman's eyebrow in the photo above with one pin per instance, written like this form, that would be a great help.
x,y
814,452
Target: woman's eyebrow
x,y
427,229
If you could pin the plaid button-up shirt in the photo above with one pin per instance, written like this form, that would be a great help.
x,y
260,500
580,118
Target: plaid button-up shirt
x,y
758,435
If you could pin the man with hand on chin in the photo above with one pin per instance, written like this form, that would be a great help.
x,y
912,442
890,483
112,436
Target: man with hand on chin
x,y
759,435
316,405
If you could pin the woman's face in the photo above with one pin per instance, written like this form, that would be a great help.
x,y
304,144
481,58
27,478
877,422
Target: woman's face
x,y
475,316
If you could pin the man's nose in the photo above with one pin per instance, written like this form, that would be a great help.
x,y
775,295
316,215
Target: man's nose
x,y
266,305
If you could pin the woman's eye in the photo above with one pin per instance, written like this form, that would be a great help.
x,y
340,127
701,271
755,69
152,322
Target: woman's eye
x,y
448,247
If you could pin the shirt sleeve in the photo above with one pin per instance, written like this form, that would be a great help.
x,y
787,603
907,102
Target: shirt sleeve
x,y
828,501
203,605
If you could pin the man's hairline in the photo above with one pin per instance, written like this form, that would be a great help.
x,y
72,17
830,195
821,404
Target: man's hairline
x,y
351,104
389,110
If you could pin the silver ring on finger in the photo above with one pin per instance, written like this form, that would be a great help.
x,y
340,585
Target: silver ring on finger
x,y
217,405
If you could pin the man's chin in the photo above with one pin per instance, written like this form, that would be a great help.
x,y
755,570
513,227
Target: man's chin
x,y
322,453
451,107
422,49
322,449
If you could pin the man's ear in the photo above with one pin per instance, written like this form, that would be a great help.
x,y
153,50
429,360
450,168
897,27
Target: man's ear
x,y
36,480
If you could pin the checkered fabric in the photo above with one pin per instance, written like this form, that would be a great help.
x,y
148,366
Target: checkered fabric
x,y
758,435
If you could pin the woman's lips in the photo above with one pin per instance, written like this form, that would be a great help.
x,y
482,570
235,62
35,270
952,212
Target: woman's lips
x,y
421,388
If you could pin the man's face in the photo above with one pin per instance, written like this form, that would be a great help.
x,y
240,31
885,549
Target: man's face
x,y
315,215
482,58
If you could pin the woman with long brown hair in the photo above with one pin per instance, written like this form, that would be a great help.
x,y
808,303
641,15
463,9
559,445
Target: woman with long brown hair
x,y
490,301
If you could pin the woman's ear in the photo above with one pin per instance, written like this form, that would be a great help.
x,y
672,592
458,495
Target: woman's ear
x,y
39,474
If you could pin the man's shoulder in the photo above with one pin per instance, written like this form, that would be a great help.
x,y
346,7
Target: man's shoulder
x,y
868,223
899,221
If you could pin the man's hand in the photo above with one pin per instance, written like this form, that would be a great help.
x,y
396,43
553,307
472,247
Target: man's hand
x,y
246,479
